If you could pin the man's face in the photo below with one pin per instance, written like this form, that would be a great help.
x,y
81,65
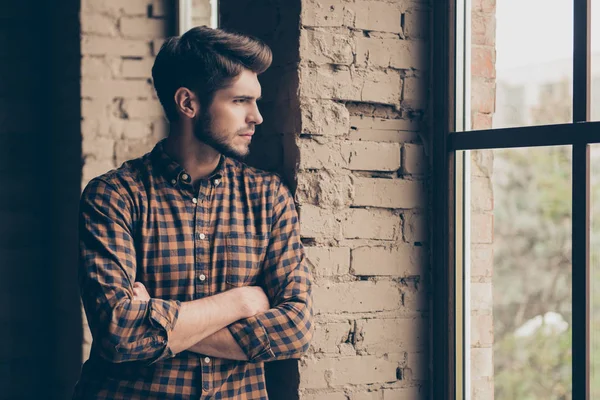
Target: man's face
x,y
229,122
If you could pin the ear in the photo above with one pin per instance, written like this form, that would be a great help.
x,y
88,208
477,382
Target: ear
x,y
186,103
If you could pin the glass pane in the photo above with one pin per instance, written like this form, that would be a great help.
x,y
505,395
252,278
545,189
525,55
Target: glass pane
x,y
595,270
520,274
595,44
521,63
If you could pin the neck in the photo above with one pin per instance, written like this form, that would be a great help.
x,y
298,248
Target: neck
x,y
197,158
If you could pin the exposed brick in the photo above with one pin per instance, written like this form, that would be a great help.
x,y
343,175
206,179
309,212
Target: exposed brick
x,y
483,29
327,13
409,393
414,161
314,155
380,336
130,149
102,46
98,24
346,84
318,373
353,297
316,222
324,188
483,99
143,27
137,68
327,337
483,61
94,108
482,363
416,24
482,228
324,396
371,224
371,156
142,109
416,227
378,16
482,162
115,7
394,53
389,193
374,123
164,8
481,121
324,117
481,296
402,260
418,363
375,395
92,169
98,148
415,93
322,47
482,330
482,195
482,260
328,83
101,88
99,67
328,261
482,388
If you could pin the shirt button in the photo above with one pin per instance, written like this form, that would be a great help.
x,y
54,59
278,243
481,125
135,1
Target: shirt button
x,y
185,177
202,277
195,200
207,360
217,182
202,236
173,181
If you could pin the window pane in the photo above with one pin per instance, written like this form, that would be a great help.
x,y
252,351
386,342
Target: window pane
x,y
595,270
595,44
520,274
521,63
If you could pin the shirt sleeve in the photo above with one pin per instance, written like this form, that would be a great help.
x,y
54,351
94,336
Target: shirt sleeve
x,y
123,329
285,330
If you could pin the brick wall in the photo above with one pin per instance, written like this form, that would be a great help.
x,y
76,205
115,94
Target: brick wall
x,y
362,190
483,96
121,118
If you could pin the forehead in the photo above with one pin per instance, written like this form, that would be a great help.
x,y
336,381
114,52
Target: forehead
x,y
246,83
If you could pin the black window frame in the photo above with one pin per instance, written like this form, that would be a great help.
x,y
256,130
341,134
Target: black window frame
x,y
446,142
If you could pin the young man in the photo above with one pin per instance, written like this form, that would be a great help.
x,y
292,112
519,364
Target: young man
x,y
192,272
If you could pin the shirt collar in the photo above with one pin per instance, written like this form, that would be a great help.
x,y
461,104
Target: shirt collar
x,y
175,173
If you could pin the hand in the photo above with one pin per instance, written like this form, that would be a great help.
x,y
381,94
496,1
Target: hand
x,y
253,299
140,292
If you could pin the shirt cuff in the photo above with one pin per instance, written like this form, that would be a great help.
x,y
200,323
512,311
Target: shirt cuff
x,y
163,316
252,337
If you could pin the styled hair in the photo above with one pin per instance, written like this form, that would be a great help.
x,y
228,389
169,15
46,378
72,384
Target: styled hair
x,y
205,60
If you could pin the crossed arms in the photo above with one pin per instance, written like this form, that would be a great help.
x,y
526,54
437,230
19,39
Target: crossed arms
x,y
244,323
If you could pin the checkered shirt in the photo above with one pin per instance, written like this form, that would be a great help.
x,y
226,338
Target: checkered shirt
x,y
145,222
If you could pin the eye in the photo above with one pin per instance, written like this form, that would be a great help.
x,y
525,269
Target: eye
x,y
239,101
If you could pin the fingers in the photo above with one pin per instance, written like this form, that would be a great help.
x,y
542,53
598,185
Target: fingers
x,y
140,292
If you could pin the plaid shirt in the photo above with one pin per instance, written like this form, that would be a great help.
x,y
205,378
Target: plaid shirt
x,y
145,222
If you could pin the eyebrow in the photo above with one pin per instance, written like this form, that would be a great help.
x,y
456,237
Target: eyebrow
x,y
248,97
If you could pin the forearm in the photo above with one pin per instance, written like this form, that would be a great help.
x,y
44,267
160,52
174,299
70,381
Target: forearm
x,y
201,318
220,344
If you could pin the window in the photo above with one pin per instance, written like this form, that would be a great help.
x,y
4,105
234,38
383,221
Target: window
x,y
514,154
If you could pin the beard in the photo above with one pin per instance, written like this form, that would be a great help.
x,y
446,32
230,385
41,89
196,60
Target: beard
x,y
203,131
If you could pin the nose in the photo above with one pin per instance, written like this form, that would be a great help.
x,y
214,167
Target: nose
x,y
255,117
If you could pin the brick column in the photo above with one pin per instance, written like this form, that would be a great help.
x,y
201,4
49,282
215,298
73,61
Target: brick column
x,y
483,97
362,190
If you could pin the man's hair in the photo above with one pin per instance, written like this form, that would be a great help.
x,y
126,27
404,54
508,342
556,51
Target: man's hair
x,y
205,60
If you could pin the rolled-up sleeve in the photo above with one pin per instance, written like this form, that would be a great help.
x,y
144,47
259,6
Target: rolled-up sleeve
x,y
123,329
285,330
